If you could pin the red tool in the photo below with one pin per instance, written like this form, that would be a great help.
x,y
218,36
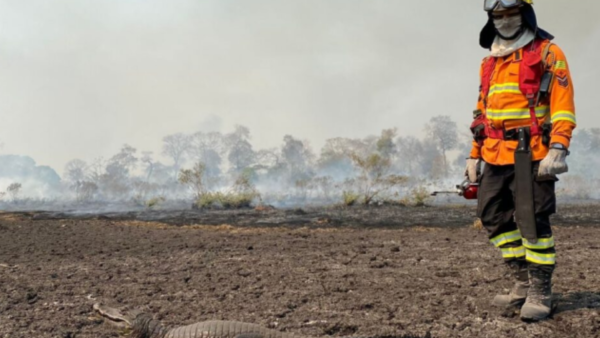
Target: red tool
x,y
466,189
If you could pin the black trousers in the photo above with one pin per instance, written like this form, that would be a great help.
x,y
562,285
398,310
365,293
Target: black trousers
x,y
496,208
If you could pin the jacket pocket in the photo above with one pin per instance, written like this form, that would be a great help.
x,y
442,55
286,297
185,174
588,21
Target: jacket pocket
x,y
491,144
511,145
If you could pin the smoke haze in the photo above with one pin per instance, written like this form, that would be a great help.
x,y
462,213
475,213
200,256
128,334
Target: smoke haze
x,y
80,78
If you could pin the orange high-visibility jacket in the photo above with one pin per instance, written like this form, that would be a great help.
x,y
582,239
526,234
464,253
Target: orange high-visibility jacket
x,y
508,108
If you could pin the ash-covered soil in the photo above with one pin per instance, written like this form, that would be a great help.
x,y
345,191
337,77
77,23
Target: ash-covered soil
x,y
388,216
413,272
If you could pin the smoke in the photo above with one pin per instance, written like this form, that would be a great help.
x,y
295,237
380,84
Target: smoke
x,y
36,181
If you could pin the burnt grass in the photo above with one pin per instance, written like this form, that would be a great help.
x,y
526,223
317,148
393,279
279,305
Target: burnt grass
x,y
326,272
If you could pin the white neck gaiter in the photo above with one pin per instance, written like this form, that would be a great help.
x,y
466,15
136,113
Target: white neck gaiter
x,y
501,47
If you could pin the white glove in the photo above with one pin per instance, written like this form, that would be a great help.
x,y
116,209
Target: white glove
x,y
472,170
554,163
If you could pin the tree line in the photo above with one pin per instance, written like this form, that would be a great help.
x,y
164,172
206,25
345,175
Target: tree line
x,y
224,169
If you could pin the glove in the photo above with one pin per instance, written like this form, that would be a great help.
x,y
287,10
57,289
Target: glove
x,y
554,163
472,171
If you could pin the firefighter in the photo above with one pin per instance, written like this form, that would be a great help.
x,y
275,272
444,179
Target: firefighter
x,y
522,129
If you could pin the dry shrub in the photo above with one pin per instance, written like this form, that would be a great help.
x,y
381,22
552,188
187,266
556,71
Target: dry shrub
x,y
208,200
417,197
230,200
194,178
350,198
155,201
420,196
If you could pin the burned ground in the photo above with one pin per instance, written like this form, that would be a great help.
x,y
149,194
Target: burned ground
x,y
395,271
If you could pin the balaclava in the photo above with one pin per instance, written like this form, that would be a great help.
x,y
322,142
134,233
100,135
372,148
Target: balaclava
x,y
509,28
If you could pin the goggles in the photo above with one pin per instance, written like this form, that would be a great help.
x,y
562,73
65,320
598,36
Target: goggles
x,y
489,5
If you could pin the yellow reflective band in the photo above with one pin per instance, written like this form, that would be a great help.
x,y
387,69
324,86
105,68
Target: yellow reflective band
x,y
542,244
538,258
504,88
505,238
560,65
564,115
516,114
513,252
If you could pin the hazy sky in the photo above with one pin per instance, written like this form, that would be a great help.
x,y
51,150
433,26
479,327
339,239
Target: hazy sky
x,y
79,78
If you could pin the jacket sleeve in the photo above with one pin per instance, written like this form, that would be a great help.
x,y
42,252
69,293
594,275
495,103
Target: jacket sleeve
x,y
562,105
476,149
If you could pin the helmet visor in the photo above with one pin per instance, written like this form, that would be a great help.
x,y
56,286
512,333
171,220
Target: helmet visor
x,y
489,5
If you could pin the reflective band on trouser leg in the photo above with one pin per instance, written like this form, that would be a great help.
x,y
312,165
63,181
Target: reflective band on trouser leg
x,y
542,244
509,253
505,238
539,258
541,252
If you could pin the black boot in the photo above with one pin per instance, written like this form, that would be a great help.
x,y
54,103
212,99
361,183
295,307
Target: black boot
x,y
539,298
518,294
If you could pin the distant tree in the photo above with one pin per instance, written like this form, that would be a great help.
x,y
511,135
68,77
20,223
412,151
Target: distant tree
x,y
385,144
176,146
162,175
298,156
268,165
114,180
213,171
85,190
115,183
96,170
266,158
432,164
208,148
410,155
148,163
13,190
339,147
125,158
335,158
239,149
76,171
443,132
